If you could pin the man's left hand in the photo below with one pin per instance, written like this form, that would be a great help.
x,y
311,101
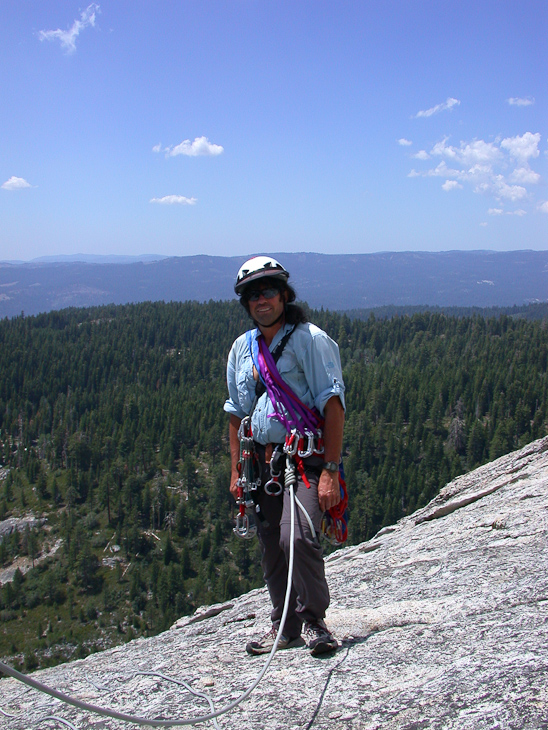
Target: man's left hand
x,y
329,491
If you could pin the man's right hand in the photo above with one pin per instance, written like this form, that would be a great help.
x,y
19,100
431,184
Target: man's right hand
x,y
234,484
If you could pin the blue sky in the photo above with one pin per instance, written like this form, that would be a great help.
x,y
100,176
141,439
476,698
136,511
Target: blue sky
x,y
250,126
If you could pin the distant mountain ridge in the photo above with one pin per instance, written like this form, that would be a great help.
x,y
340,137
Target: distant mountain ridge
x,y
332,281
89,258
92,258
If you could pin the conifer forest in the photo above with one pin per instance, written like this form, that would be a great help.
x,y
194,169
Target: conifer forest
x,y
114,453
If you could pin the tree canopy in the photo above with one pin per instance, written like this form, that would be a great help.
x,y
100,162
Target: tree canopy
x,y
112,430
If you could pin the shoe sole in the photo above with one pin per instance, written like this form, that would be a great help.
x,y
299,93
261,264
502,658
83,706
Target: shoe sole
x,y
258,650
324,647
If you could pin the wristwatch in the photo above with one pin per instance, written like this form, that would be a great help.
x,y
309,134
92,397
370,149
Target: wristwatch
x,y
330,466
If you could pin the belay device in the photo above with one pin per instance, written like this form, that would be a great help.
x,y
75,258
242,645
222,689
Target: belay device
x,y
248,481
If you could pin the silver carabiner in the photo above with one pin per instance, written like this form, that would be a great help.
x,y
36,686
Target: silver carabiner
x,y
292,444
247,482
245,527
304,454
244,426
319,440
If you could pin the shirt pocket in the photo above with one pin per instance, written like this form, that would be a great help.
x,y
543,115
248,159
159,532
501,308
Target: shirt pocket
x,y
293,374
245,383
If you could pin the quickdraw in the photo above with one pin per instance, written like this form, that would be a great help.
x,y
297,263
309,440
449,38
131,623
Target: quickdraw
x,y
334,526
248,481
295,450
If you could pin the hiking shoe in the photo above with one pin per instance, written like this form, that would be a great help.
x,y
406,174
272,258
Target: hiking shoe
x,y
319,639
264,644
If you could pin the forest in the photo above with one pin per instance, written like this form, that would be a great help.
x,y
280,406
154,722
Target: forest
x,y
114,453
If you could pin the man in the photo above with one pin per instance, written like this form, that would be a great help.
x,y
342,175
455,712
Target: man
x,y
309,364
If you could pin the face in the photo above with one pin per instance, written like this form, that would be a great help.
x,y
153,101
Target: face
x,y
267,312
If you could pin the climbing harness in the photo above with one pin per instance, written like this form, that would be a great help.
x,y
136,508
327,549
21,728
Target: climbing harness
x,y
304,435
248,465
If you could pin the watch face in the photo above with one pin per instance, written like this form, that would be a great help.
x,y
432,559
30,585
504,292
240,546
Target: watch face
x,y
331,466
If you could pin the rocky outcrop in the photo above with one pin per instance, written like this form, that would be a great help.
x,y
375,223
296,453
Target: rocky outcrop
x,y
442,618
20,524
21,562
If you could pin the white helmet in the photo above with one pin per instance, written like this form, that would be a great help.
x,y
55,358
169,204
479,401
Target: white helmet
x,y
257,268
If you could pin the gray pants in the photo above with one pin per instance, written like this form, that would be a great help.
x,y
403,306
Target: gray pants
x,y
309,595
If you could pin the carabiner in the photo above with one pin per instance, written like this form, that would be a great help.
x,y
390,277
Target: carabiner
x,y
244,428
319,446
292,443
305,453
245,526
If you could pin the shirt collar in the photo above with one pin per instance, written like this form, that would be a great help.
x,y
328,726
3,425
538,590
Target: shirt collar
x,y
277,337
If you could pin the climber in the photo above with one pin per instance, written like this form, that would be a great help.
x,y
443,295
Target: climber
x,y
284,377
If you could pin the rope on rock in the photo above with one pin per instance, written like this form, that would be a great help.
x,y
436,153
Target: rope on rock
x,y
149,722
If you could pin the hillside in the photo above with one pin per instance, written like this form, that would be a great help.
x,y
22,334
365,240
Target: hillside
x,y
115,517
442,619
335,281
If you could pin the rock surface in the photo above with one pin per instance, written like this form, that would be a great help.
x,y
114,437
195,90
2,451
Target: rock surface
x,y
22,563
443,621
12,523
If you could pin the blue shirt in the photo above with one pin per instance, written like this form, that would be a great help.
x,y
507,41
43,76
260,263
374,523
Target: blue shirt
x,y
310,364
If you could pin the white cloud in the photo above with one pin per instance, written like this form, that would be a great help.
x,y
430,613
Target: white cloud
x,y
447,105
67,38
524,175
200,147
544,207
404,142
498,187
16,183
441,171
522,148
450,185
469,153
174,200
499,211
518,101
498,168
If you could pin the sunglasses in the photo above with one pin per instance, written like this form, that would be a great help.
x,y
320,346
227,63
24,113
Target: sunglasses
x,y
256,294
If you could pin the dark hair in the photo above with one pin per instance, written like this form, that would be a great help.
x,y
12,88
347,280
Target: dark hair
x,y
294,313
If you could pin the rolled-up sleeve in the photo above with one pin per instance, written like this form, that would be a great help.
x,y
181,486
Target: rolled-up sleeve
x,y
322,367
232,404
